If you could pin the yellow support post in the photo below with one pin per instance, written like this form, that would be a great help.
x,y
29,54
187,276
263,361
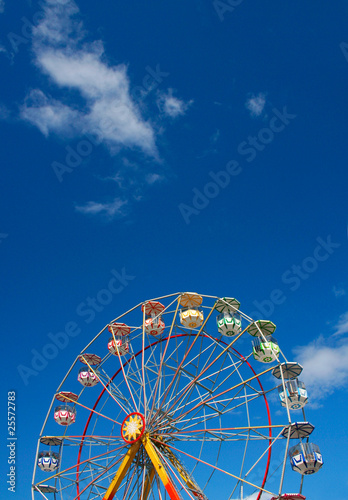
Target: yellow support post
x,y
160,469
122,471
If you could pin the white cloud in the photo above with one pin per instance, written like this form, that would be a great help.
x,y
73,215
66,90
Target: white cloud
x,y
325,367
60,25
49,115
4,112
215,137
2,6
107,110
152,178
172,106
342,325
339,291
256,104
110,210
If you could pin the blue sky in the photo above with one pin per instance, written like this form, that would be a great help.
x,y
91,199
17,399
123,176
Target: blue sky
x,y
177,146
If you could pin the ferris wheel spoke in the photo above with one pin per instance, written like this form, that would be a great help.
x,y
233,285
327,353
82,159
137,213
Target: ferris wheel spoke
x,y
93,411
185,356
123,402
227,429
226,391
217,468
194,379
142,363
163,357
203,401
264,452
91,474
124,374
102,383
62,473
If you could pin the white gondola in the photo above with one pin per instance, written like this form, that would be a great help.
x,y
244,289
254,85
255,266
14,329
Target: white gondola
x,y
118,344
305,458
48,461
229,320
265,349
120,347
229,323
295,394
154,325
65,414
88,377
190,315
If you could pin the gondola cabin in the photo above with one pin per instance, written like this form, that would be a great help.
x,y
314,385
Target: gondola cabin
x,y
153,324
295,394
48,461
118,344
191,317
88,377
229,323
265,349
305,458
120,347
65,414
190,314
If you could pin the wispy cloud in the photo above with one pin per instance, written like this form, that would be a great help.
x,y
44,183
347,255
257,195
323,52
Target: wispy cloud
x,y
107,109
152,178
325,367
342,325
255,104
4,112
2,6
339,291
50,115
215,137
172,106
90,97
109,210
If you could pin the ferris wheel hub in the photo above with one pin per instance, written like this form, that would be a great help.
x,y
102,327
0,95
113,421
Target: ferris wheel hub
x,y
133,427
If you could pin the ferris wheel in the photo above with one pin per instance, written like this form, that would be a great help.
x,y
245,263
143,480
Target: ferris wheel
x,y
181,397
